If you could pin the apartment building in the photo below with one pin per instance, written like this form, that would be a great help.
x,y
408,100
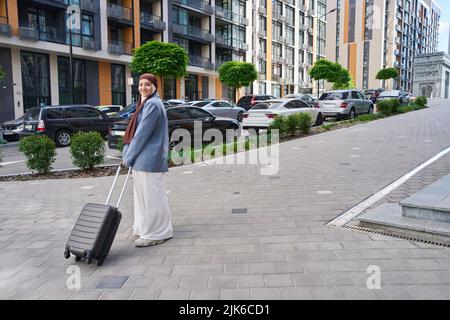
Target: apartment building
x,y
285,39
374,34
282,38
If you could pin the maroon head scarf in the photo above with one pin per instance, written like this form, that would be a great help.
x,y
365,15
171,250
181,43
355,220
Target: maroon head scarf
x,y
131,128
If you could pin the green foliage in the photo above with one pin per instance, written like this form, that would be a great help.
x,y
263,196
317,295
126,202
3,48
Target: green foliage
x,y
332,72
237,74
87,150
387,73
292,123
160,58
2,74
40,152
304,123
279,124
422,101
369,117
388,107
120,144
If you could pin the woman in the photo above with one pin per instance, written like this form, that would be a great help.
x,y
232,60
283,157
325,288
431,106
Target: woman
x,y
145,150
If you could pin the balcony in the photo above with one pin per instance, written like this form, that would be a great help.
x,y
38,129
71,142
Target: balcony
x,y
88,43
234,43
29,33
262,33
202,62
303,47
262,11
119,48
275,16
226,14
153,22
275,77
5,28
261,76
276,59
193,32
88,5
196,4
120,13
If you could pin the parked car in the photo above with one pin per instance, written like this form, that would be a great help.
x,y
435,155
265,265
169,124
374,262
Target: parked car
x,y
410,97
181,117
174,102
11,129
250,100
110,110
344,104
59,122
373,94
128,111
401,95
221,108
304,97
262,114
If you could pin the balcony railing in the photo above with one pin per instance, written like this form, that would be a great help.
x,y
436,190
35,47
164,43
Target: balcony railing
x,y
88,43
197,4
88,5
5,28
29,33
202,62
193,31
118,47
226,14
220,39
261,76
119,12
152,21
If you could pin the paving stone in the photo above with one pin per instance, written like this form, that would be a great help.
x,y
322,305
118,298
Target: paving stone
x,y
329,293
427,292
308,280
359,293
235,294
278,281
194,282
175,294
222,282
87,295
265,294
205,294
145,294
115,294
303,293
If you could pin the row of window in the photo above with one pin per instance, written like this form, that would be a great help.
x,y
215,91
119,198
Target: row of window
x,y
36,81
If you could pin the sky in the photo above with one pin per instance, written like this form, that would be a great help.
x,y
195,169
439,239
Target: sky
x,y
444,25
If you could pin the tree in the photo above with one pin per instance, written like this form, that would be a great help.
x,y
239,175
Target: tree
x,y
2,74
161,59
237,74
332,72
386,74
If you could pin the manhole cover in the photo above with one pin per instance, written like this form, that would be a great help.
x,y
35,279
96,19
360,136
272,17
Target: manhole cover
x,y
112,282
240,210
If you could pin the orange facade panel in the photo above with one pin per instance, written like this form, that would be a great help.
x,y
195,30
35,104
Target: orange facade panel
x,y
218,88
352,59
104,76
137,23
13,17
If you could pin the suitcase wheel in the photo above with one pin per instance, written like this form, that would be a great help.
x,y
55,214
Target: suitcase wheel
x,y
88,260
99,263
77,258
67,254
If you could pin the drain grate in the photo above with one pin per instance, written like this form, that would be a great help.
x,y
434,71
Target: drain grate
x,y
397,235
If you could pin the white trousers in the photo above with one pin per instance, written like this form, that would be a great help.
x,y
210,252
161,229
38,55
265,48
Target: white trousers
x,y
152,218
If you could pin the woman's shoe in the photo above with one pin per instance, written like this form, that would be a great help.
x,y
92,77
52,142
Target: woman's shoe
x,y
147,242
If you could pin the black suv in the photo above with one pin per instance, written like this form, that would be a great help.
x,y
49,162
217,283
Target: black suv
x,y
59,122
250,100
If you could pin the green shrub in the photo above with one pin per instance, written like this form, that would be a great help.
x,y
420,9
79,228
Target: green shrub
x,y
87,150
304,123
280,124
40,152
120,144
388,107
292,123
405,109
368,117
421,101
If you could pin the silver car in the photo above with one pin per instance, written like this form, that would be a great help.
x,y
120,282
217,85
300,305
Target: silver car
x,y
221,108
344,104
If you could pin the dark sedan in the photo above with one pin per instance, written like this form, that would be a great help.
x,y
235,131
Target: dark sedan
x,y
11,129
182,118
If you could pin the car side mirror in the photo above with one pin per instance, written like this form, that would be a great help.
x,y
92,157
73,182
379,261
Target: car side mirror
x,y
210,119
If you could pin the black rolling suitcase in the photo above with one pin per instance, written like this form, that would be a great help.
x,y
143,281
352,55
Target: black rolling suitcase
x,y
95,229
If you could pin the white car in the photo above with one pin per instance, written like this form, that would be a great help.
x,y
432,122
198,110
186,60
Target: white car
x,y
262,114
221,108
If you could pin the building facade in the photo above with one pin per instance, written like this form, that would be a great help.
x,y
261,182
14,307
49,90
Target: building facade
x,y
374,34
431,73
282,38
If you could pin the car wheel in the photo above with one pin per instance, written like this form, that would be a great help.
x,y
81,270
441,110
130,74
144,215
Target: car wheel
x,y
62,138
352,114
319,120
240,116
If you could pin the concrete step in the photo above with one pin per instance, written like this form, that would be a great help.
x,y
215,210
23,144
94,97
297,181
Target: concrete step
x,y
432,202
389,217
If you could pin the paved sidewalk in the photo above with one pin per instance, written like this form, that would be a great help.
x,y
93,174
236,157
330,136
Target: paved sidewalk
x,y
279,249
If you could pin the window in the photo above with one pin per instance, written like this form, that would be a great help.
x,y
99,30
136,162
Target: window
x,y
79,81
178,114
170,88
73,113
84,35
90,113
35,80
199,114
118,84
290,35
54,113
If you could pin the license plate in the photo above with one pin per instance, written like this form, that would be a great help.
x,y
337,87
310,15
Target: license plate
x,y
8,133
29,127
118,133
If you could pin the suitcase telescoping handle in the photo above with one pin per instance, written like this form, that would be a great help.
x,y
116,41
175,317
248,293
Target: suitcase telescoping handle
x,y
114,183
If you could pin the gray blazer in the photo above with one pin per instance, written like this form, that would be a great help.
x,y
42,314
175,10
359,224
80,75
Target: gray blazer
x,y
148,150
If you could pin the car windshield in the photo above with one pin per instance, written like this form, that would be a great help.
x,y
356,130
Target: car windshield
x,y
265,106
128,108
390,94
32,114
201,104
334,96
244,100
